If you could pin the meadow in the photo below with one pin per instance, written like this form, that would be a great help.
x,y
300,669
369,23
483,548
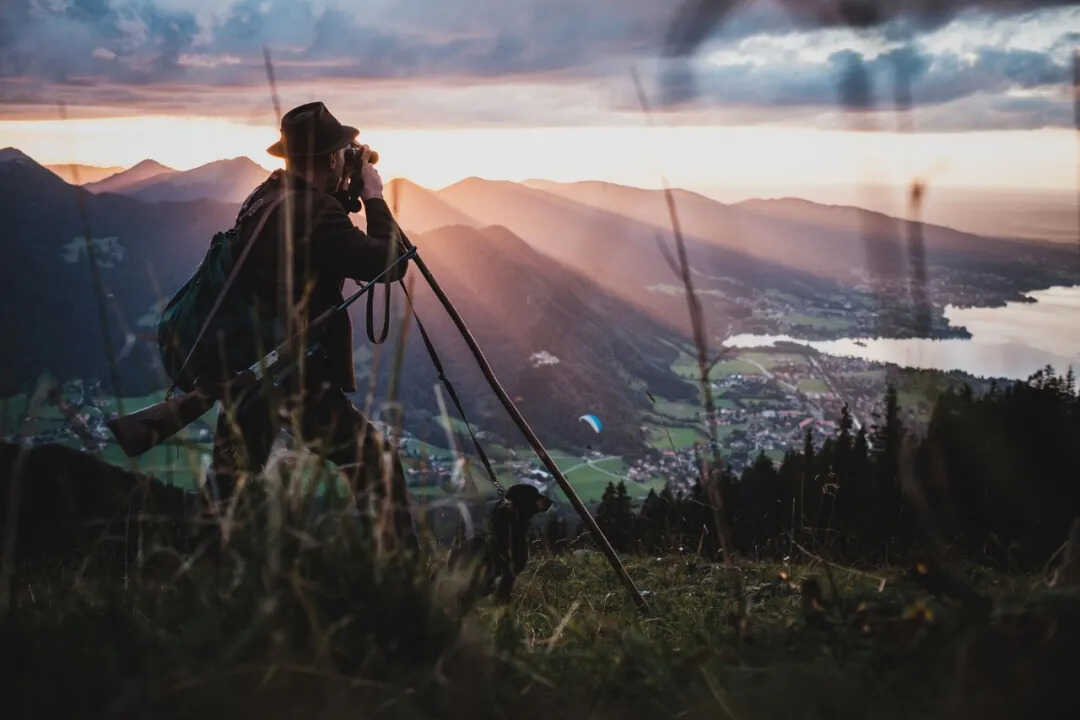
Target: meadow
x,y
302,616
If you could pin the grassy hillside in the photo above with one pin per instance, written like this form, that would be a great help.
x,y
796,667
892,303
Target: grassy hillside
x,y
717,643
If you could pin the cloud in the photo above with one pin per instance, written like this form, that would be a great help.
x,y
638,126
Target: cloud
x,y
893,80
697,20
458,60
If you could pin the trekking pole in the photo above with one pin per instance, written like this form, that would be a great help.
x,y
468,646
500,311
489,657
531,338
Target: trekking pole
x,y
527,431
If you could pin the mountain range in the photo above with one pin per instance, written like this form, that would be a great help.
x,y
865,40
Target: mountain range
x,y
225,180
77,174
133,176
564,285
52,304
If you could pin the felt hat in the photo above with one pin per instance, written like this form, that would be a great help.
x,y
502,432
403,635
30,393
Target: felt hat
x,y
311,130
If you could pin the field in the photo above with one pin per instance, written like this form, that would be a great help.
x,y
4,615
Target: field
x,y
182,463
674,438
677,410
813,385
686,366
757,640
770,360
834,324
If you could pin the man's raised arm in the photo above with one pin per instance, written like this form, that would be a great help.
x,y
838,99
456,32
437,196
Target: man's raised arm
x,y
354,253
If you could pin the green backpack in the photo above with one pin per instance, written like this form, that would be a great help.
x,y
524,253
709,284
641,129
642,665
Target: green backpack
x,y
206,311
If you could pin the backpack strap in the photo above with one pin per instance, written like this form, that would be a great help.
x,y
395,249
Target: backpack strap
x,y
228,283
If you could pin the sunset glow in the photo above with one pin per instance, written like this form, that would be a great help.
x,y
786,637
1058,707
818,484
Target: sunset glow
x,y
704,158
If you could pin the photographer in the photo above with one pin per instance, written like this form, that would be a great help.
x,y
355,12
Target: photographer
x,y
306,207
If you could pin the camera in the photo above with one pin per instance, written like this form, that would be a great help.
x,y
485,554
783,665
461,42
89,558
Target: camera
x,y
352,158
349,195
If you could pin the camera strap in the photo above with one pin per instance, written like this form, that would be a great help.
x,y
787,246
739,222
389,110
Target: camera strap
x,y
371,315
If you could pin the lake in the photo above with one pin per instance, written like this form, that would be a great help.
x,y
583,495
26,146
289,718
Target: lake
x,y
1012,341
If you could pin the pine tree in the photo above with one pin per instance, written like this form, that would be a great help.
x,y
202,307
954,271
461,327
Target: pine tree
x,y
615,516
886,439
841,471
807,477
653,523
861,486
624,519
605,510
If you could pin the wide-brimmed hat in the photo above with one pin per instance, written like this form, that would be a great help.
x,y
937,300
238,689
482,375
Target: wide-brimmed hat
x,y
311,130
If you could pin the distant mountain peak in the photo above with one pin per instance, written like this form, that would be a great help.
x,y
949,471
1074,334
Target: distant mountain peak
x,y
16,163
405,183
150,164
238,161
474,181
10,153
419,209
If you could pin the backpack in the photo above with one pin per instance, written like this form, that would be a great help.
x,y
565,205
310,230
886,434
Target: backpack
x,y
207,309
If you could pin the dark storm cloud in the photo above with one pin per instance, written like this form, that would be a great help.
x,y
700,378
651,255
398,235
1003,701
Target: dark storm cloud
x,y
849,79
697,20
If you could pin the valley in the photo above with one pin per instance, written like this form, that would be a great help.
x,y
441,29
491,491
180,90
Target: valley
x,y
565,286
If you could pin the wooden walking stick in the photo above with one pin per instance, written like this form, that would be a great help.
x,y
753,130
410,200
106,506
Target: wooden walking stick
x,y
527,431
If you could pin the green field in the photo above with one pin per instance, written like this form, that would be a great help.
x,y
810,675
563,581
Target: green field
x,y
663,437
678,410
686,366
732,367
180,466
813,385
723,431
777,456
770,360
819,322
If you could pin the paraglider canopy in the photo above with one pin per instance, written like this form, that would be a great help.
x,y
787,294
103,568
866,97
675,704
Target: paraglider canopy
x,y
593,422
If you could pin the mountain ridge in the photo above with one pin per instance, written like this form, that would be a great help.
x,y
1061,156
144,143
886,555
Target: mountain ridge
x,y
140,171
86,173
228,180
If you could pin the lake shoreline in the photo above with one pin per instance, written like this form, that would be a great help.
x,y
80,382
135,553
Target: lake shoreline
x,y
1010,341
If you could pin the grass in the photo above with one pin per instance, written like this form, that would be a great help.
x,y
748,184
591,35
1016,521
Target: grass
x,y
817,321
776,455
589,480
174,464
812,385
677,410
737,642
771,360
170,464
723,431
337,632
732,367
686,366
300,613
663,438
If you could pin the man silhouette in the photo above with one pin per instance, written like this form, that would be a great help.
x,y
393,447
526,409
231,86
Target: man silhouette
x,y
298,210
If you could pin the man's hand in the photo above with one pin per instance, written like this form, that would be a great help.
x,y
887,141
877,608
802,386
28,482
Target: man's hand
x,y
371,183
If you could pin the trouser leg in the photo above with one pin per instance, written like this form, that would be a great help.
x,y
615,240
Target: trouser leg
x,y
375,468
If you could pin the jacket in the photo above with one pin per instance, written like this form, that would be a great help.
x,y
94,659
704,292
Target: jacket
x,y
327,249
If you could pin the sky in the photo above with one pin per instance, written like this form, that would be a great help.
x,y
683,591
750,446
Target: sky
x,y
757,93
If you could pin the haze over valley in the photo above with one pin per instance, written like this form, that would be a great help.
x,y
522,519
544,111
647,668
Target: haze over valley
x,y
569,287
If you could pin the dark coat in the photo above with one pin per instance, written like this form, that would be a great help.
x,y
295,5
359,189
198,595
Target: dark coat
x,y
327,249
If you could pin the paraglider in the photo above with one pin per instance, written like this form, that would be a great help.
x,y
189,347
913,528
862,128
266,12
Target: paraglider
x,y
593,422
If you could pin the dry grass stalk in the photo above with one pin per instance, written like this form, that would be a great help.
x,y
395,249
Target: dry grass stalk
x,y
712,478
